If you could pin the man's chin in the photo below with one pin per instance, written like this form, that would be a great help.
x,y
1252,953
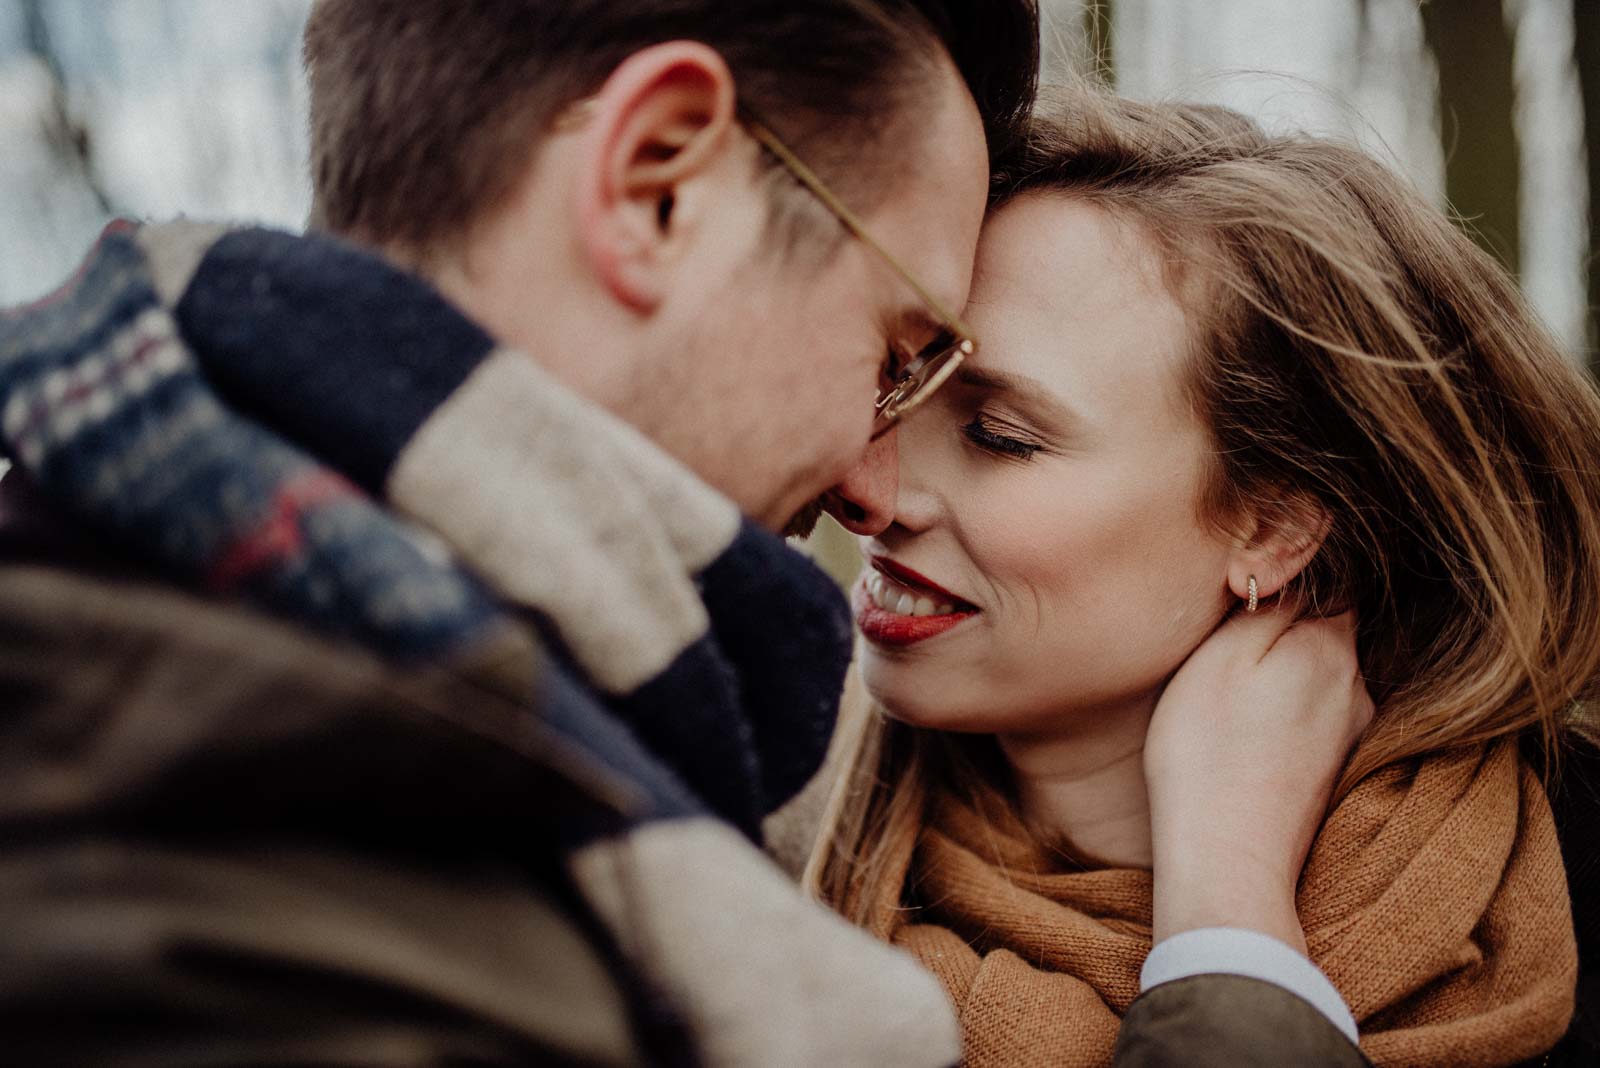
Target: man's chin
x,y
803,522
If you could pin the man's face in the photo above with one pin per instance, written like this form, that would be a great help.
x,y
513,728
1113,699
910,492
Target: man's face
x,y
754,360
802,338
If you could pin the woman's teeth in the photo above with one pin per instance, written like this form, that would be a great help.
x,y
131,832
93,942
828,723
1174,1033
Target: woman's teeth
x,y
892,597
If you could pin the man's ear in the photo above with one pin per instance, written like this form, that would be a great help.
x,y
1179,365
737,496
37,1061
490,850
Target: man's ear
x,y
662,118
1284,538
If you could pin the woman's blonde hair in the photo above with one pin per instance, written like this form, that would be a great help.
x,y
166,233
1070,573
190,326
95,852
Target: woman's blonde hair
x,y
1352,350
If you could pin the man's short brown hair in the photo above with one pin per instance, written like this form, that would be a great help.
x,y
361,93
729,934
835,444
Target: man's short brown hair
x,y
424,113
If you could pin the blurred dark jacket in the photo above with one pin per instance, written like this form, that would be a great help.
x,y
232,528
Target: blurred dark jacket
x,y
229,843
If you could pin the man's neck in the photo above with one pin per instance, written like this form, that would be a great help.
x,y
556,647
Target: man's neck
x,y
1087,784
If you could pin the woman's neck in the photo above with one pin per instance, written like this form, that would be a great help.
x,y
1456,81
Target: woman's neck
x,y
1087,785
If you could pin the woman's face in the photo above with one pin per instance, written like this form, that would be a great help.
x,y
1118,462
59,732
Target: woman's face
x,y
1051,489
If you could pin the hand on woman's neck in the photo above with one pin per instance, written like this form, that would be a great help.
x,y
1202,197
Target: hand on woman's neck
x,y
1087,786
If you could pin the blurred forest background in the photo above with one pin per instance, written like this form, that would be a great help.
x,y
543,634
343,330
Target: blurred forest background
x,y
152,108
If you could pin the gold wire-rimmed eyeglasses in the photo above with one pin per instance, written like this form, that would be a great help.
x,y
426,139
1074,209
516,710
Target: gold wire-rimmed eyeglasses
x,y
913,372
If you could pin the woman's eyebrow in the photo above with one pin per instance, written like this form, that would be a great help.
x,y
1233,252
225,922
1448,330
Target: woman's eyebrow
x,y
1030,394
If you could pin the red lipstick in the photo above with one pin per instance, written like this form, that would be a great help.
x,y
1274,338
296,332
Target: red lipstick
x,y
907,577
892,629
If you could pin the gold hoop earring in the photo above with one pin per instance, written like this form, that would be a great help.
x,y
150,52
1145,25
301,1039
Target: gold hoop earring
x,y
1251,607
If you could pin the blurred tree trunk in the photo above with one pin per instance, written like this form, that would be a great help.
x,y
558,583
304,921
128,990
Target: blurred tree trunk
x,y
1097,24
67,137
1586,38
1477,99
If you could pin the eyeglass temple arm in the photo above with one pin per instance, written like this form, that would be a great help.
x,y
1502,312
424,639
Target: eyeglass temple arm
x,y
809,178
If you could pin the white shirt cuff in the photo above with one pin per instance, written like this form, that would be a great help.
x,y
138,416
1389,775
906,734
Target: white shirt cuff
x,y
1235,951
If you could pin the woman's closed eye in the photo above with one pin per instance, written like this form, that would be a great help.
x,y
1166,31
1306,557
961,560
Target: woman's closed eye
x,y
995,437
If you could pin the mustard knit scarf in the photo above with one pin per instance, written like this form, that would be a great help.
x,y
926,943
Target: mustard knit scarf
x,y
1434,899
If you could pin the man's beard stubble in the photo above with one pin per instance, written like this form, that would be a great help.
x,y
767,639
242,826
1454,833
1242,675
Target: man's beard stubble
x,y
803,522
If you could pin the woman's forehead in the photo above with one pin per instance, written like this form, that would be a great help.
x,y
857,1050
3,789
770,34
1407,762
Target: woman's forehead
x,y
1070,295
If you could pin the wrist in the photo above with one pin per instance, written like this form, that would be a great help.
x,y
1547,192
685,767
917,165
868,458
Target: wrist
x,y
1224,891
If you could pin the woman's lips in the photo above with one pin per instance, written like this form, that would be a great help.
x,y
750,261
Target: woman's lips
x,y
917,582
892,614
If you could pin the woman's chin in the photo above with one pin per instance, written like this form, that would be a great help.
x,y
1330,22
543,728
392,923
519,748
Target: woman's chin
x,y
917,702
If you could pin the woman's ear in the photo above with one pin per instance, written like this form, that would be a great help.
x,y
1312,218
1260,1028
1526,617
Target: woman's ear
x,y
1285,537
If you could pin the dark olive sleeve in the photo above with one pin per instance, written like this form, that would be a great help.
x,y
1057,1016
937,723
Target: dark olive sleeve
x,y
1212,1021
225,843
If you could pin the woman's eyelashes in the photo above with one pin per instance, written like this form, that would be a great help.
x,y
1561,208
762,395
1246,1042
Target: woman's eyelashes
x,y
988,435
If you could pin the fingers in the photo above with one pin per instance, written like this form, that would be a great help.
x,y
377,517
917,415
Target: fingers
x,y
1326,648
1328,642
1253,634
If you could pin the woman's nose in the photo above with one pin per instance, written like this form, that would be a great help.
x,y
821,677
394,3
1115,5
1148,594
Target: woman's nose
x,y
864,501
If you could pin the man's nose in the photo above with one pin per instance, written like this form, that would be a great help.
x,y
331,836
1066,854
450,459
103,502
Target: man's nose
x,y
864,501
